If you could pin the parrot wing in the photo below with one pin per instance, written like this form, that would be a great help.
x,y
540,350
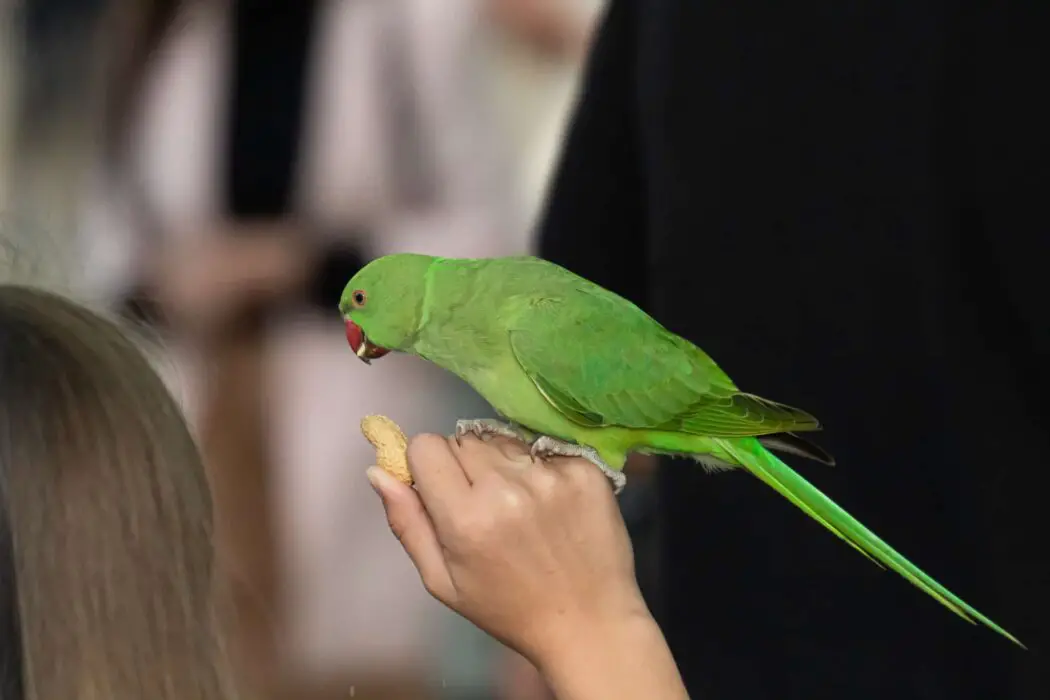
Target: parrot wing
x,y
601,361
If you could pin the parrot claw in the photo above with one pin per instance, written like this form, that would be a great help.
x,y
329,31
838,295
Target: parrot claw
x,y
547,446
486,427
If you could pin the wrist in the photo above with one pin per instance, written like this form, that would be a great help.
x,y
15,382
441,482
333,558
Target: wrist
x,y
624,655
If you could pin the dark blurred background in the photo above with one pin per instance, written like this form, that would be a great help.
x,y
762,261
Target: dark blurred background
x,y
845,205
838,208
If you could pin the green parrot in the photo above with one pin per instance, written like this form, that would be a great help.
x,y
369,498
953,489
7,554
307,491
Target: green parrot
x,y
581,372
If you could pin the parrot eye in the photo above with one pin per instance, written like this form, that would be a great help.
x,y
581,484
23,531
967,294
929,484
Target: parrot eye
x,y
359,298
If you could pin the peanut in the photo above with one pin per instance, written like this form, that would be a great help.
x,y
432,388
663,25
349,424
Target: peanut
x,y
390,444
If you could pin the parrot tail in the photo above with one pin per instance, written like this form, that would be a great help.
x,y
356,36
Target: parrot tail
x,y
751,455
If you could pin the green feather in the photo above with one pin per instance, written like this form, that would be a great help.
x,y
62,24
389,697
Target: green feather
x,y
749,454
564,357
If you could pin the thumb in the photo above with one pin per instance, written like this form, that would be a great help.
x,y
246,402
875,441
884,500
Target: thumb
x,y
410,523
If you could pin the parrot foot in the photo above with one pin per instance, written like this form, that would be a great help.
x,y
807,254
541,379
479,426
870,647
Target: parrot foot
x,y
547,446
482,427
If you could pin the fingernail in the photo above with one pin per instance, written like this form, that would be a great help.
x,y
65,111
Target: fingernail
x,y
379,479
373,477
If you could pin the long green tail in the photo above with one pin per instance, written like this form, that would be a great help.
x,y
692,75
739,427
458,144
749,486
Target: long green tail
x,y
751,455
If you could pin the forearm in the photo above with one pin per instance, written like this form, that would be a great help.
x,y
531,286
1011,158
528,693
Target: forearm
x,y
628,659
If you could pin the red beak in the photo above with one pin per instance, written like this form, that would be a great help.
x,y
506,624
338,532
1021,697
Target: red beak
x,y
359,343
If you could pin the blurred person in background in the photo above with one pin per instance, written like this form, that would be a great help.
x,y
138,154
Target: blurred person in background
x,y
845,205
253,156
536,50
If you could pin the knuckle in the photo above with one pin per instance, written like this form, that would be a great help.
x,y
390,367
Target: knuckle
x,y
472,447
513,501
544,481
503,508
424,446
581,473
512,450
470,528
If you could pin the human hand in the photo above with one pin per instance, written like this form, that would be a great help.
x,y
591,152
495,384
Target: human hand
x,y
203,282
548,27
534,553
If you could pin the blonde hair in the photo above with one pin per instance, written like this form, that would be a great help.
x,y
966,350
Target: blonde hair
x,y
105,515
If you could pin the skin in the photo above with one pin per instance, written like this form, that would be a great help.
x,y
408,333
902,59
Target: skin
x,y
538,558
204,282
566,358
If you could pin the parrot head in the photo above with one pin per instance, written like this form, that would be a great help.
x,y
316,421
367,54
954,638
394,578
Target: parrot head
x,y
381,305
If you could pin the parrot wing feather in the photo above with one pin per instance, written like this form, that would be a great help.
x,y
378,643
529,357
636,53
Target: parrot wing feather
x,y
601,361
743,415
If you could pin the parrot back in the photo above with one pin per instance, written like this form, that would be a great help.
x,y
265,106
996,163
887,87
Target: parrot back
x,y
595,357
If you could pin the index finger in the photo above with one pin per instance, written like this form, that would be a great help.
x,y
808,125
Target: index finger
x,y
440,480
